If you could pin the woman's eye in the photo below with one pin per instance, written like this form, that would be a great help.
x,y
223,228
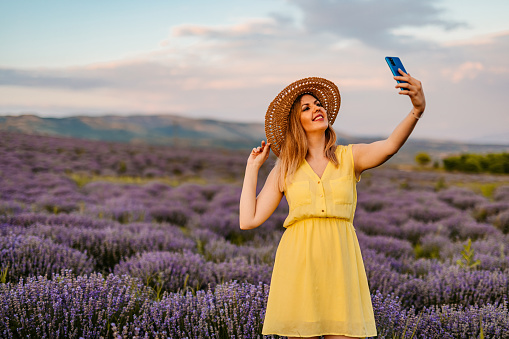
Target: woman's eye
x,y
305,108
318,104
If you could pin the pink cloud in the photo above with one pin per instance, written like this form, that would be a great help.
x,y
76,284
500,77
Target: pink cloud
x,y
251,26
467,70
485,39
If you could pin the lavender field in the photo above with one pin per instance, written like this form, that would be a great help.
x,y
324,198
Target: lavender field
x,y
110,240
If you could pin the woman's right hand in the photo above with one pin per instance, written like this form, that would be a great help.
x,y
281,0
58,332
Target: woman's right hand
x,y
259,155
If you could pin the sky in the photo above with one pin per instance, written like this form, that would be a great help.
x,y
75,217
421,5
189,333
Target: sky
x,y
227,60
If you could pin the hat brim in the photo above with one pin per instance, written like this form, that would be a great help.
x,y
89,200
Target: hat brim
x,y
276,118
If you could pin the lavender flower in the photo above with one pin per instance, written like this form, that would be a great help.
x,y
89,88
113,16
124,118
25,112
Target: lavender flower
x,y
26,256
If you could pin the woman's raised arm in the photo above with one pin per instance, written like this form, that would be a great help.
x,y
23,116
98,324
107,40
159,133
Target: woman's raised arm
x,y
253,211
367,156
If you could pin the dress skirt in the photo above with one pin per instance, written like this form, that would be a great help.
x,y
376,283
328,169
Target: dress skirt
x,y
319,284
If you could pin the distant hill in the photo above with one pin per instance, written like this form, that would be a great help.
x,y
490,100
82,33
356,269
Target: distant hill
x,y
501,138
173,130
148,129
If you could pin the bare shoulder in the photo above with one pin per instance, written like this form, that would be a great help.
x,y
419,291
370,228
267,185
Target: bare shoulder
x,y
271,181
273,171
358,149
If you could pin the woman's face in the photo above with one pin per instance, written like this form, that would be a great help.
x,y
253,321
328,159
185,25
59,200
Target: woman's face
x,y
313,116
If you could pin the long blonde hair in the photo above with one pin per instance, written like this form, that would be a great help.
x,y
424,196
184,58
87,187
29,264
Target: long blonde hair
x,y
295,147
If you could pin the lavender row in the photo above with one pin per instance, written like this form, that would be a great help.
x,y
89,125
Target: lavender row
x,y
424,283
170,271
96,306
419,283
24,183
428,240
43,154
22,256
108,241
401,214
109,245
167,271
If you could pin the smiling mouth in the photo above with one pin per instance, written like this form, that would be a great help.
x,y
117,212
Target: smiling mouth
x,y
318,117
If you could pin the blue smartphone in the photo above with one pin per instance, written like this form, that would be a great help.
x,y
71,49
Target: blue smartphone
x,y
394,63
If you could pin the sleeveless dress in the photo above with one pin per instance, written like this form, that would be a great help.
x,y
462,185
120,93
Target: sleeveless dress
x,y
319,284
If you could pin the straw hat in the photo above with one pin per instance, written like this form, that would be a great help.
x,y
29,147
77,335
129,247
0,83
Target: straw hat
x,y
276,118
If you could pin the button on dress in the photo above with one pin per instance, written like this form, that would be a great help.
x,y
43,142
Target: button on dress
x,y
319,284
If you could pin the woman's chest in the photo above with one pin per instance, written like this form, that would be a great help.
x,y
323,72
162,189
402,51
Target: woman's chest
x,y
334,186
318,166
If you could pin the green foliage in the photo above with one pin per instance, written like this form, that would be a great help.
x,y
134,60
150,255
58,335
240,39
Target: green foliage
x,y
502,253
236,239
80,180
482,333
472,165
451,163
200,247
480,214
122,167
440,184
497,163
3,274
83,179
429,251
488,189
79,151
55,209
156,284
406,324
468,257
502,223
423,159
404,185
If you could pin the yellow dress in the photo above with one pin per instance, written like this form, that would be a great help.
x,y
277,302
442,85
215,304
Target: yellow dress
x,y
319,284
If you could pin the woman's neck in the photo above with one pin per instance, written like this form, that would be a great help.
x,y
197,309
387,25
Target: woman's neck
x,y
316,146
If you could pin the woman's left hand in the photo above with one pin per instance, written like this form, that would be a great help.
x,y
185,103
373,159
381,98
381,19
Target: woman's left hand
x,y
413,88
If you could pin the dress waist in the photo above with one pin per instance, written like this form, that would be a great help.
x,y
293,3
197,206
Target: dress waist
x,y
320,220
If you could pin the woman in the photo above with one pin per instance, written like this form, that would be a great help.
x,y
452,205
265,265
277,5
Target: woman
x,y
319,284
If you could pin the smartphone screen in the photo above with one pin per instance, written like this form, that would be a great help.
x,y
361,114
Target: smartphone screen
x,y
394,63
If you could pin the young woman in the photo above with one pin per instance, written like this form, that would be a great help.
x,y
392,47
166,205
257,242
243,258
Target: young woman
x,y
319,284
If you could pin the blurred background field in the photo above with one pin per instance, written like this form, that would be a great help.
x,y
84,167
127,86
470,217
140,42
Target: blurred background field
x,y
104,238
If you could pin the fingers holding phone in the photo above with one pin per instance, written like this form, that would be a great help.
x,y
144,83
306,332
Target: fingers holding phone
x,y
413,88
407,84
404,81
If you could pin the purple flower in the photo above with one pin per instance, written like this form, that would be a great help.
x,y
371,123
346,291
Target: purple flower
x,y
25,256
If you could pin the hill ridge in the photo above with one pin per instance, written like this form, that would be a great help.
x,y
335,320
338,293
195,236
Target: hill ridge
x,y
175,130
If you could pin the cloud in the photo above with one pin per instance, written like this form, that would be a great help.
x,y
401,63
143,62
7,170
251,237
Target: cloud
x,y
467,61
484,39
468,70
251,27
372,21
